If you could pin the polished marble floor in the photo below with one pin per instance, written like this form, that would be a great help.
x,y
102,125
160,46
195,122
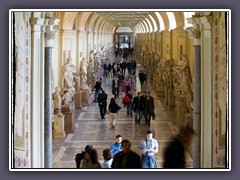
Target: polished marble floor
x,y
91,129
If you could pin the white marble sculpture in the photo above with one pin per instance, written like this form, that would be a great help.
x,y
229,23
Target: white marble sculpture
x,y
69,70
68,96
83,72
77,82
57,98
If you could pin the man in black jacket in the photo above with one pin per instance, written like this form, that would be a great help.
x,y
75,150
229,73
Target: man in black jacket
x,y
102,102
138,105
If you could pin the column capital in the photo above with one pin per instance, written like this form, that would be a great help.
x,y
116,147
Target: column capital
x,y
51,29
206,22
194,32
36,23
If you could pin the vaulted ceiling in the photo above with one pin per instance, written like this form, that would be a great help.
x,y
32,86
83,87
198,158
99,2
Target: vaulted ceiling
x,y
124,18
109,21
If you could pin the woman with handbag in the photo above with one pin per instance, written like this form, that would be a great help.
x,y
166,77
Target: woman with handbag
x,y
113,109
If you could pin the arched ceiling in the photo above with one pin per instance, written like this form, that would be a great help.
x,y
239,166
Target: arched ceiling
x,y
140,21
124,19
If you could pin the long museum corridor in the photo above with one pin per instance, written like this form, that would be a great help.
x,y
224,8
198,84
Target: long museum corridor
x,y
57,57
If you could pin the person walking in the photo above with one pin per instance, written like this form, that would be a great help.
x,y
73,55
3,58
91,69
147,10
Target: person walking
x,y
115,87
107,156
117,146
91,160
127,101
127,84
141,76
174,154
97,87
80,156
138,105
127,158
148,111
148,148
113,109
102,103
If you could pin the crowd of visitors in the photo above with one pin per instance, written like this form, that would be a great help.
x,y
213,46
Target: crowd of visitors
x,y
119,154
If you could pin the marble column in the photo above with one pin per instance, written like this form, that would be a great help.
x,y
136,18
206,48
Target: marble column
x,y
197,107
207,89
36,89
49,35
195,34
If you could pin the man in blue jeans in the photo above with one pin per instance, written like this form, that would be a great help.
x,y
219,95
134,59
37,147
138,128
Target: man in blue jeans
x,y
138,105
148,148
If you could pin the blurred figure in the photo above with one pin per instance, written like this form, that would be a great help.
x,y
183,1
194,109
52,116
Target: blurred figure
x,y
174,155
117,146
141,76
134,80
148,148
90,160
126,158
80,156
107,156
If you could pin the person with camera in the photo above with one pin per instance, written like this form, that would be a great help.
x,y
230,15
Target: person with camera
x,y
148,148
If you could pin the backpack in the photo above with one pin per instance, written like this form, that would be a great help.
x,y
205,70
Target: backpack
x,y
126,100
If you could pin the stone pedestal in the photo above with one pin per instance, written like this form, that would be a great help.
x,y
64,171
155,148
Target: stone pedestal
x,y
166,95
69,123
171,98
77,100
181,111
58,126
160,89
85,96
189,120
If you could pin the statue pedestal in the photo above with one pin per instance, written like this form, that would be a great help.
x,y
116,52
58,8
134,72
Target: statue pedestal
x,y
68,111
160,89
58,126
166,95
181,111
77,100
171,98
85,96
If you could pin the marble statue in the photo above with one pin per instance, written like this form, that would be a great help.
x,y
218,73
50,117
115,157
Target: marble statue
x,y
68,96
77,82
57,98
83,72
69,70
